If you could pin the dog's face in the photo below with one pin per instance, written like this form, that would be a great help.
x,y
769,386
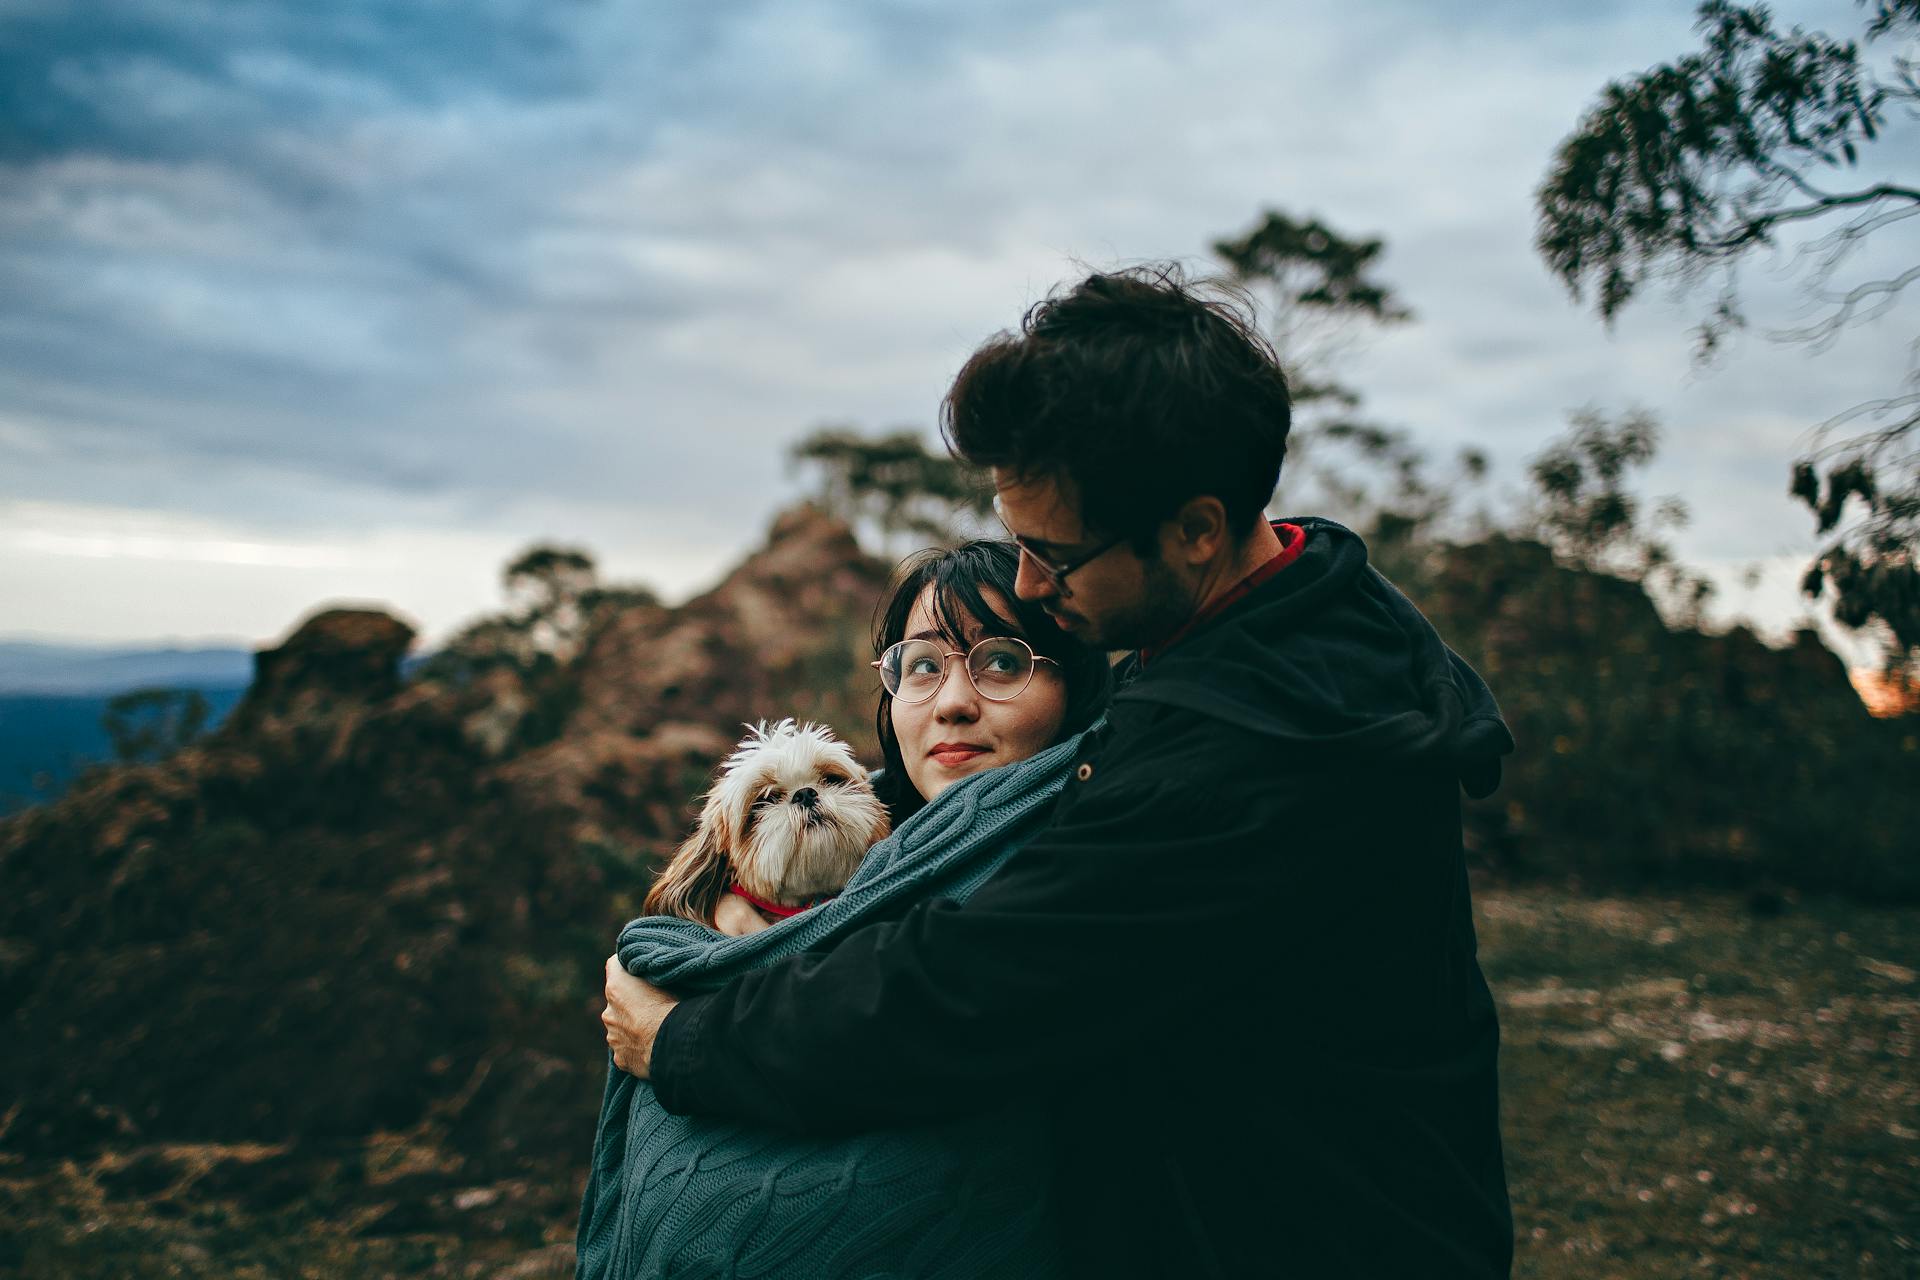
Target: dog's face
x,y
789,818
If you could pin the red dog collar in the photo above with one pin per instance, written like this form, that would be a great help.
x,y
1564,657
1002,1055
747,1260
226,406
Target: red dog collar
x,y
775,908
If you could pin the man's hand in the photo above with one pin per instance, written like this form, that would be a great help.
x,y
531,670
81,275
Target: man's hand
x,y
632,1018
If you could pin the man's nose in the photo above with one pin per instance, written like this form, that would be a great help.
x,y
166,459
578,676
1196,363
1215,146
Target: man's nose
x,y
1029,583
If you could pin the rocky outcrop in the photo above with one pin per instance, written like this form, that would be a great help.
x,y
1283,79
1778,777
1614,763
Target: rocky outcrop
x,y
369,903
366,903
1656,754
661,694
336,658
786,633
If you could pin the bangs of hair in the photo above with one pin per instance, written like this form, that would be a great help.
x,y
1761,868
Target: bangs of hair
x,y
960,606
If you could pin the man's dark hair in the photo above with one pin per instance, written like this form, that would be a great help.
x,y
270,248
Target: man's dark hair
x,y
1140,389
959,578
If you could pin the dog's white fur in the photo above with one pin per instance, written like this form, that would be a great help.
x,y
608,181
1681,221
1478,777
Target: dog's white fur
x,y
757,829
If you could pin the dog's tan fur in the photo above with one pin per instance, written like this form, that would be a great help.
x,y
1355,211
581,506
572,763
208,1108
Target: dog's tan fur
x,y
753,832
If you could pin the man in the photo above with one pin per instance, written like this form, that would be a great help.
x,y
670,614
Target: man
x,y
1239,963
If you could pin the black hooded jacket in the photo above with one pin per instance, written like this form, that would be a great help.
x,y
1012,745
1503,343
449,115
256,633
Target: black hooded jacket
x,y
1238,965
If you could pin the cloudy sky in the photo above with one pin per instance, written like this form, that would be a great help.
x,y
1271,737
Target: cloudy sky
x,y
302,302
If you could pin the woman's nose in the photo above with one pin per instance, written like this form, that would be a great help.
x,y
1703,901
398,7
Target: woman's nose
x,y
957,699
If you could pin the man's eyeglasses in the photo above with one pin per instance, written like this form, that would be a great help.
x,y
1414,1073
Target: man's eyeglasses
x,y
999,668
1055,571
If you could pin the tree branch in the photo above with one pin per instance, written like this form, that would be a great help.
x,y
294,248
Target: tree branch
x,y
1758,226
1821,333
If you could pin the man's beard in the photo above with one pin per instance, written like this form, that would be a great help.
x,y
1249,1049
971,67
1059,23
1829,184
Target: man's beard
x,y
1166,604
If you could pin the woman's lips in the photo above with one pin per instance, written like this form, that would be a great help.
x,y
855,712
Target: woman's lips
x,y
953,754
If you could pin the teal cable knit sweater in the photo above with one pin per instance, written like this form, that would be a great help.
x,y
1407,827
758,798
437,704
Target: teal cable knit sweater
x,y
687,1197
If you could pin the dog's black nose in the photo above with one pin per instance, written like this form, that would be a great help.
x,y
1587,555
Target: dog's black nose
x,y
806,797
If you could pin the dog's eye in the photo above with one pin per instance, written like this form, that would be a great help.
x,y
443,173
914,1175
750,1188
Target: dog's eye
x,y
768,796
835,777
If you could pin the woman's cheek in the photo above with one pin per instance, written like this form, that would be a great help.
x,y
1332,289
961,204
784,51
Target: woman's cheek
x,y
1043,715
906,727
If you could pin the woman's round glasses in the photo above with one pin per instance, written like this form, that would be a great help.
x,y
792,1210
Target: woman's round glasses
x,y
999,668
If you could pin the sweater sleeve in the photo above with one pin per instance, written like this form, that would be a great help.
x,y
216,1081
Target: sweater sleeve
x,y
1080,949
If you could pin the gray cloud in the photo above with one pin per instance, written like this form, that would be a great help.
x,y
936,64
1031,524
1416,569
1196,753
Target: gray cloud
x,y
586,267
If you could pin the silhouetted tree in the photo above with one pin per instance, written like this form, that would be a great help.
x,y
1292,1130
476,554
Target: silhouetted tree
x,y
892,483
148,724
1318,294
1687,170
554,604
1316,287
544,579
544,585
1584,507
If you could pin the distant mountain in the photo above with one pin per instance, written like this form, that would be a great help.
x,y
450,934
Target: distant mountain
x,y
33,667
367,896
46,739
53,695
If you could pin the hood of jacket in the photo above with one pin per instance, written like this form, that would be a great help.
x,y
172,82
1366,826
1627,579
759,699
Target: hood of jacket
x,y
1330,656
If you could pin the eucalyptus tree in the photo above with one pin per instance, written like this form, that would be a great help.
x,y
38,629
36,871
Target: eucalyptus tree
x,y
1319,296
894,485
1796,144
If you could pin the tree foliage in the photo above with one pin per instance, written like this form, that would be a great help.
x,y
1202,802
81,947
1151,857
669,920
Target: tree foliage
x,y
1583,503
1585,506
1319,295
891,483
1754,143
1383,484
148,724
544,580
1317,286
554,604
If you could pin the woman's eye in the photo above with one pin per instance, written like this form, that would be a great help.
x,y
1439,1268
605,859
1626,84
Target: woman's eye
x,y
922,667
1004,663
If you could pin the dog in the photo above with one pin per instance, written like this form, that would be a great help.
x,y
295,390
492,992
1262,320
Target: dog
x,y
785,824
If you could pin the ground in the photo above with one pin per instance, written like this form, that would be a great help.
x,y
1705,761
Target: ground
x,y
1694,1088
1706,1086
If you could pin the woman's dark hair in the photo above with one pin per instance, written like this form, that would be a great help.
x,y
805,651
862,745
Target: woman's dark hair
x,y
958,578
1139,388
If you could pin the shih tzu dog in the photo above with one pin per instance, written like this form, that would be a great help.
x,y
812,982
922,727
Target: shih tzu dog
x,y
786,823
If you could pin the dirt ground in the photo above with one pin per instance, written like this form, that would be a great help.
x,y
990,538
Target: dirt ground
x,y
1692,1087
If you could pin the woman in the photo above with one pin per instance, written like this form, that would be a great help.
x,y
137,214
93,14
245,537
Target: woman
x,y
982,699
965,598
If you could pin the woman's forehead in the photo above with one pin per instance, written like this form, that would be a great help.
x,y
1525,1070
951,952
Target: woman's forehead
x,y
930,618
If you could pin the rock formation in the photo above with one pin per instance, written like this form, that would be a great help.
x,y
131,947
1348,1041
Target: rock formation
x,y
369,903
364,901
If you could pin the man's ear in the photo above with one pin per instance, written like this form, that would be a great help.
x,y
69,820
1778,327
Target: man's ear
x,y
1199,531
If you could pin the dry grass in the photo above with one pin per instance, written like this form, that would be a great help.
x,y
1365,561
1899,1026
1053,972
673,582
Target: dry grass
x,y
1690,1089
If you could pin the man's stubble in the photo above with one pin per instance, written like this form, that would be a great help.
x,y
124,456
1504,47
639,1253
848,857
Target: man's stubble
x,y
1165,604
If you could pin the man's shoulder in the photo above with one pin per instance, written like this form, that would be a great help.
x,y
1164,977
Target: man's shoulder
x,y
1168,746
